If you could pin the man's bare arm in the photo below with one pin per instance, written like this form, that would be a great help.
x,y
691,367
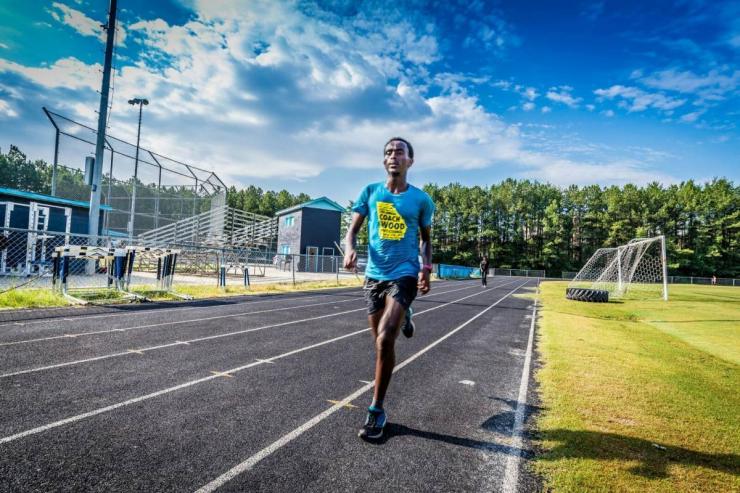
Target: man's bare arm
x,y
425,247
350,255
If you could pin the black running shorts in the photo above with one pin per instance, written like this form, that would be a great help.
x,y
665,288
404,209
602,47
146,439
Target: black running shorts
x,y
402,290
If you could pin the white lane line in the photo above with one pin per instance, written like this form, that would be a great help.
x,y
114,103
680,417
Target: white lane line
x,y
155,311
176,322
187,342
248,301
511,474
162,324
273,447
95,412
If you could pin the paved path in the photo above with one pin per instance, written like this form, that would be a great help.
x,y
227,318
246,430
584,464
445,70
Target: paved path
x,y
267,394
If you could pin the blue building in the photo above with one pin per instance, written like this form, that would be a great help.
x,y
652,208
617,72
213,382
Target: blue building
x,y
34,224
312,230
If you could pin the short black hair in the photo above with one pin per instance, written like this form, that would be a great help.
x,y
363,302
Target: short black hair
x,y
401,139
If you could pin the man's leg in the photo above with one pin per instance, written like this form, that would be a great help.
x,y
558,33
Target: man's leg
x,y
385,346
384,325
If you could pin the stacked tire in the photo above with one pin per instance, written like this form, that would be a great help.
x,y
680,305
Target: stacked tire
x,y
591,295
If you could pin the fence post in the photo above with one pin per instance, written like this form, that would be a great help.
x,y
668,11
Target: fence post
x,y
292,268
336,268
246,276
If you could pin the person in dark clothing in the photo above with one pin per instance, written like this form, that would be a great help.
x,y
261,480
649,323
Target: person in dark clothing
x,y
484,271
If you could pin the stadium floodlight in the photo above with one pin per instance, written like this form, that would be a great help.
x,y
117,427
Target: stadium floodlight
x,y
141,102
637,270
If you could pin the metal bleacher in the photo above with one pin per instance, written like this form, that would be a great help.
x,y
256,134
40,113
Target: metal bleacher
x,y
221,226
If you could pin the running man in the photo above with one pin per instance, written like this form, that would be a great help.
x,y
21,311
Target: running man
x,y
484,271
399,214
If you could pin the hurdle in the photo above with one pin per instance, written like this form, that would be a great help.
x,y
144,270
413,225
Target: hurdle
x,y
119,266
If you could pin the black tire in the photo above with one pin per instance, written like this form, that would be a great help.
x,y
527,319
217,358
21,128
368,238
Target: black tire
x,y
591,295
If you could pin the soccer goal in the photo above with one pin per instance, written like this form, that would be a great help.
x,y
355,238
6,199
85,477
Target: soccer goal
x,y
636,270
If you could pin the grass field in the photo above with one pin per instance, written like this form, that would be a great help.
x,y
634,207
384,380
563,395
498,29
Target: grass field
x,y
44,298
640,395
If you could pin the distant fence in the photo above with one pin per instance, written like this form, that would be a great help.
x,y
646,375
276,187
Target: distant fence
x,y
518,272
720,281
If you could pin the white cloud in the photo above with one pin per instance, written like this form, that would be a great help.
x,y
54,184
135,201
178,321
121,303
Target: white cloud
x,y
530,93
261,89
562,95
691,117
590,107
608,113
83,24
635,99
564,172
7,110
714,82
68,73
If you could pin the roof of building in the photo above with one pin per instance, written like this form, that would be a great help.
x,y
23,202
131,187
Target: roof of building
x,y
49,199
319,203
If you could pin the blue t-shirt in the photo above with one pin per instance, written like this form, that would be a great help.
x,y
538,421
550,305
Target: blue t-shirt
x,y
394,221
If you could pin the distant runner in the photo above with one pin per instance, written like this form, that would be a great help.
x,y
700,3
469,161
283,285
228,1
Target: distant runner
x,y
399,213
484,271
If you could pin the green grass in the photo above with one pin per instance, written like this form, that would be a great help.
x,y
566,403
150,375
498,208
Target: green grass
x,y
640,395
42,298
30,298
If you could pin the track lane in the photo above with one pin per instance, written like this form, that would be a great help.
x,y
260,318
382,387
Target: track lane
x,y
201,420
115,381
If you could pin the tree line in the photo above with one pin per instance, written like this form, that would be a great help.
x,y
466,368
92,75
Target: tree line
x,y
517,223
530,225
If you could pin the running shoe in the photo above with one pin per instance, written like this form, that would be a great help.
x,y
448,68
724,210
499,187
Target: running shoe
x,y
408,324
374,424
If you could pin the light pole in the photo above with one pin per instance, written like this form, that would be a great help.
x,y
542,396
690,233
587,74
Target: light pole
x,y
141,102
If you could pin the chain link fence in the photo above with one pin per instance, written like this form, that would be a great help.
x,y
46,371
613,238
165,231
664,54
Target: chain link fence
x,y
27,261
145,190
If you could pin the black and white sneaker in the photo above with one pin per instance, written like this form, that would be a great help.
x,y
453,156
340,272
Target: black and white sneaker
x,y
408,324
374,424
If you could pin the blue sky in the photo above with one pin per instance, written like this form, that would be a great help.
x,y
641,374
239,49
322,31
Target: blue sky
x,y
303,94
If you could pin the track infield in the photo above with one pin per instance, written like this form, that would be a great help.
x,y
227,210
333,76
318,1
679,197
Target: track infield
x,y
640,395
267,394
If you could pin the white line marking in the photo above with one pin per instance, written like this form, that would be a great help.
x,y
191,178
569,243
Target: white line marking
x,y
248,301
511,475
273,447
467,382
176,322
95,412
188,342
180,308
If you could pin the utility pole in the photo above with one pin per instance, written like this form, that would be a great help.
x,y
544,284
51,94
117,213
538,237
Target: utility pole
x,y
141,103
95,191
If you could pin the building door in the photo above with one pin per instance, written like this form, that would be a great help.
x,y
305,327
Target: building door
x,y
312,259
327,259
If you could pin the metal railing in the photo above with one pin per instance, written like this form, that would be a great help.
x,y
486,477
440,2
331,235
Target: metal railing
x,y
219,226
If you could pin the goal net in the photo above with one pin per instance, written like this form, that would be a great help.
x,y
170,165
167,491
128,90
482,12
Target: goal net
x,y
636,270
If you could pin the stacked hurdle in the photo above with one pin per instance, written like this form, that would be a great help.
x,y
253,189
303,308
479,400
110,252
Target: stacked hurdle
x,y
119,267
166,263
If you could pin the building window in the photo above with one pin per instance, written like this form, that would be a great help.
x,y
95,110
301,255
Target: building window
x,y
285,250
289,220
